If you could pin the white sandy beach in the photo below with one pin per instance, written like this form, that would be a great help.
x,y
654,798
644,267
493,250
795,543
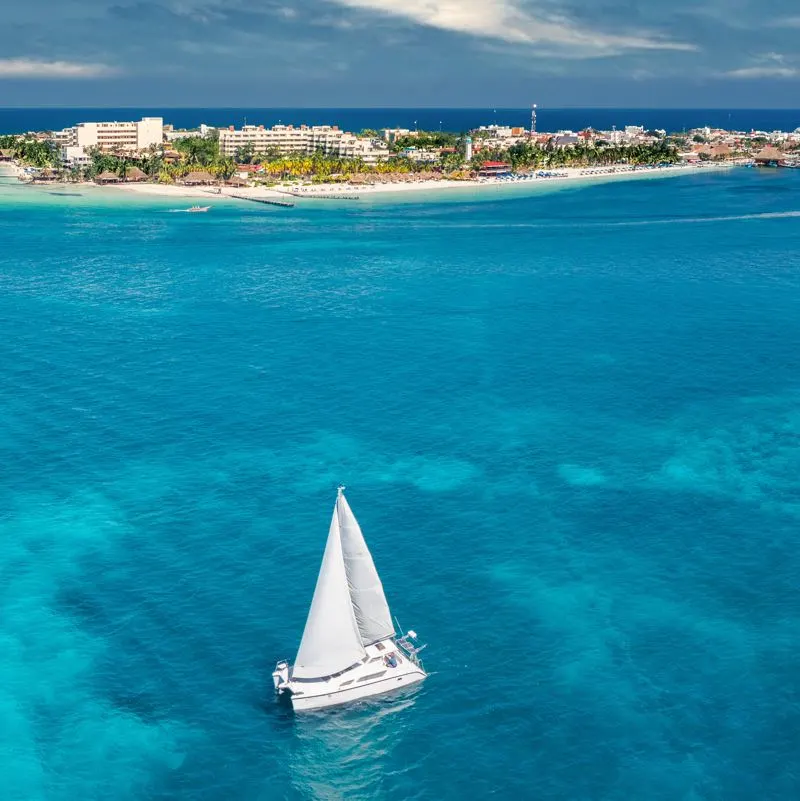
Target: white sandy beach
x,y
293,192
290,192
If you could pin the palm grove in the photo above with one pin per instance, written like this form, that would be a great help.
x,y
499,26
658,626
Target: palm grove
x,y
202,153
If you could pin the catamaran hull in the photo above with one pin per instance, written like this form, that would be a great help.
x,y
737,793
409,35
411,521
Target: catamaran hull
x,y
310,702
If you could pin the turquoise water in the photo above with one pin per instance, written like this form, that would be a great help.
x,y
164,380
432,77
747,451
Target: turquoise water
x,y
570,427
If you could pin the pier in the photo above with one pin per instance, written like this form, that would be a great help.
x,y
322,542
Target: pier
x,y
283,203
321,196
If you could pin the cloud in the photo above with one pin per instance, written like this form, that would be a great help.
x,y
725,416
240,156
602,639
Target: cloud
x,y
767,65
762,72
786,22
507,21
32,68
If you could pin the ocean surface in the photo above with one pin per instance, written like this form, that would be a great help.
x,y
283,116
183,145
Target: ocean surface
x,y
568,421
19,120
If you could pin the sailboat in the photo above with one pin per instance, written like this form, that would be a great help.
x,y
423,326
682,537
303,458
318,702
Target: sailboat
x,y
349,649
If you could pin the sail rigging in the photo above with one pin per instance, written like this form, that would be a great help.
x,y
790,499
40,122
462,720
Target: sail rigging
x,y
366,590
331,639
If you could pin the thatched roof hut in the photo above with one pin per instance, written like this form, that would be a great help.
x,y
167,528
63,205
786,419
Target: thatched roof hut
x,y
107,177
135,174
720,151
6,154
768,154
198,178
236,181
47,174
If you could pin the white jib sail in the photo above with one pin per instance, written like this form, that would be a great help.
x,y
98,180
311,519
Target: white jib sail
x,y
331,640
366,591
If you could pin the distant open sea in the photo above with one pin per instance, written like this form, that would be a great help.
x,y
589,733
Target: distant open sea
x,y
569,423
19,120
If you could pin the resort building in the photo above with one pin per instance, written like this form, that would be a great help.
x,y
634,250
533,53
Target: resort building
x,y
305,139
74,156
173,135
391,134
350,146
426,155
113,136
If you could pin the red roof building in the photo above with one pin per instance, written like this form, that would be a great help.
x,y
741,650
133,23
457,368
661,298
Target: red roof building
x,y
494,168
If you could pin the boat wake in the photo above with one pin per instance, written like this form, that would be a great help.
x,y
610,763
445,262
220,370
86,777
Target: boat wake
x,y
766,215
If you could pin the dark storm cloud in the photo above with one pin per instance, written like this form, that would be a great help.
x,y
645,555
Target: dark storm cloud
x,y
384,52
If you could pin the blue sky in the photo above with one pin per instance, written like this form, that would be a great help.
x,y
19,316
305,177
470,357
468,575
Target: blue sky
x,y
259,53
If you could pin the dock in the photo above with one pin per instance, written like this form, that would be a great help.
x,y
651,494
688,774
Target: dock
x,y
312,196
283,203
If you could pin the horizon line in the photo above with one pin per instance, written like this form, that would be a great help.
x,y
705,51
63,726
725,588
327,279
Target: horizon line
x,y
414,108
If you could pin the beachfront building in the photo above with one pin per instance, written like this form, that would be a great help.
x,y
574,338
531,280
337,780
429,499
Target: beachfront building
x,y
74,156
491,169
768,156
304,139
114,137
283,139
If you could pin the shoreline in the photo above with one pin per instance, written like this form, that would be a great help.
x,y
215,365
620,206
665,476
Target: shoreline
x,y
295,193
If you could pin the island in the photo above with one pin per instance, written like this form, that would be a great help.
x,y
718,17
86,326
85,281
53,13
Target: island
x,y
326,161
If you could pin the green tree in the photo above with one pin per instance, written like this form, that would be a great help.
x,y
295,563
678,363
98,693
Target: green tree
x,y
245,154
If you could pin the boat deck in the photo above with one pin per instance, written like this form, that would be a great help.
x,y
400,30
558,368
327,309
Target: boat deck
x,y
384,668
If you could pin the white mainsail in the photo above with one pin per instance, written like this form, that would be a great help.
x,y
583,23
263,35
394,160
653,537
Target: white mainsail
x,y
331,639
366,591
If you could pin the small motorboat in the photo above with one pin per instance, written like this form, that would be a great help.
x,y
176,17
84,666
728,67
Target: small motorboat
x,y
196,209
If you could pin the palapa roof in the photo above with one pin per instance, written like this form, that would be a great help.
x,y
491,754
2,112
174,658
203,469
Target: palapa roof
x,y
107,176
714,151
135,174
768,153
235,181
199,177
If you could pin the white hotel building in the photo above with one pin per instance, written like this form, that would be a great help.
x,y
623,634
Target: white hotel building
x,y
305,139
127,137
